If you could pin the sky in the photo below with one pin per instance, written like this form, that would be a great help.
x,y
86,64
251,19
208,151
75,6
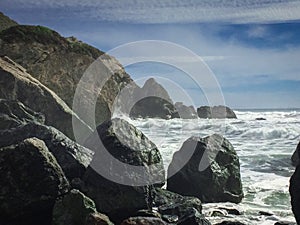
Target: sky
x,y
251,47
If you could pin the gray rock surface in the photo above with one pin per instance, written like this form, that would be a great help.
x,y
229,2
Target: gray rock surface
x,y
186,112
17,84
30,181
218,181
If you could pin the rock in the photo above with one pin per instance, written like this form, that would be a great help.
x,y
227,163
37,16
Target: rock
x,y
98,219
72,157
217,112
295,156
6,22
186,112
153,101
294,190
14,114
30,181
77,209
230,223
17,84
264,213
193,217
111,182
260,118
211,173
143,221
59,63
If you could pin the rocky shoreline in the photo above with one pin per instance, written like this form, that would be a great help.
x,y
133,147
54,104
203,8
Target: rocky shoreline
x,y
46,177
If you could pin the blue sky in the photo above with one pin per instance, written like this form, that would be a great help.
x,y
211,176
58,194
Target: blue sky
x,y
252,47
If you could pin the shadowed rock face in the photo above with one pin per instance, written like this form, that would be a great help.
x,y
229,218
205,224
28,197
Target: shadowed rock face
x,y
215,179
59,63
6,22
295,156
295,191
131,147
30,181
17,84
186,112
216,112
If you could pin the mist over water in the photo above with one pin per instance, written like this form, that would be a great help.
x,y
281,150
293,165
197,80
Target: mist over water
x,y
263,146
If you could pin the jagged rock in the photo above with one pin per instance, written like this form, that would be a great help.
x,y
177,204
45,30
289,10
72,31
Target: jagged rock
x,y
295,156
72,157
171,203
153,102
30,181
77,209
98,219
131,147
218,112
14,114
211,173
230,223
17,84
186,112
143,221
193,217
59,63
6,22
260,118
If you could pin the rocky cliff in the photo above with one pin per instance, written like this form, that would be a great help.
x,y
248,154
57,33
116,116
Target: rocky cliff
x,y
6,22
60,62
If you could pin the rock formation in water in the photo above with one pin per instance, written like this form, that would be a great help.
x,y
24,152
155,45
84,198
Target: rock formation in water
x,y
153,102
186,112
295,190
207,168
215,112
295,156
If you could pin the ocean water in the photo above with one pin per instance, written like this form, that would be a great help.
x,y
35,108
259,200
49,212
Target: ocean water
x,y
263,146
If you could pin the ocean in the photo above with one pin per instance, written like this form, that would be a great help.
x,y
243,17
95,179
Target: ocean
x,y
263,146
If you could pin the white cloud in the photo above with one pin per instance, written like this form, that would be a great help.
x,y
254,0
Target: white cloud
x,y
168,11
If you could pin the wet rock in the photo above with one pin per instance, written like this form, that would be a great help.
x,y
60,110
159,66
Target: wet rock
x,y
98,219
14,114
111,181
217,112
186,112
76,209
17,84
295,156
294,190
30,181
209,169
230,223
143,221
193,217
72,157
260,118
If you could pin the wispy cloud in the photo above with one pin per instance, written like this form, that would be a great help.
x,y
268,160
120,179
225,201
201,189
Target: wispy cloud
x,y
168,11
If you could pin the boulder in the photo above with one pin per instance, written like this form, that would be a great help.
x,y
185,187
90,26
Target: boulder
x,y
31,180
110,180
230,223
72,157
59,63
211,173
152,101
14,114
77,209
193,217
143,221
17,85
294,190
98,219
295,156
215,112
186,112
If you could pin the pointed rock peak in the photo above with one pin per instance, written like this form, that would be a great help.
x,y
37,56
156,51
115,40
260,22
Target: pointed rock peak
x,y
153,88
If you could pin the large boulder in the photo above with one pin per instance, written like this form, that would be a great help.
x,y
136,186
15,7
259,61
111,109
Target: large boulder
x,y
17,84
76,209
212,173
295,192
111,180
72,157
295,156
153,101
14,114
30,181
59,63
215,112
186,112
